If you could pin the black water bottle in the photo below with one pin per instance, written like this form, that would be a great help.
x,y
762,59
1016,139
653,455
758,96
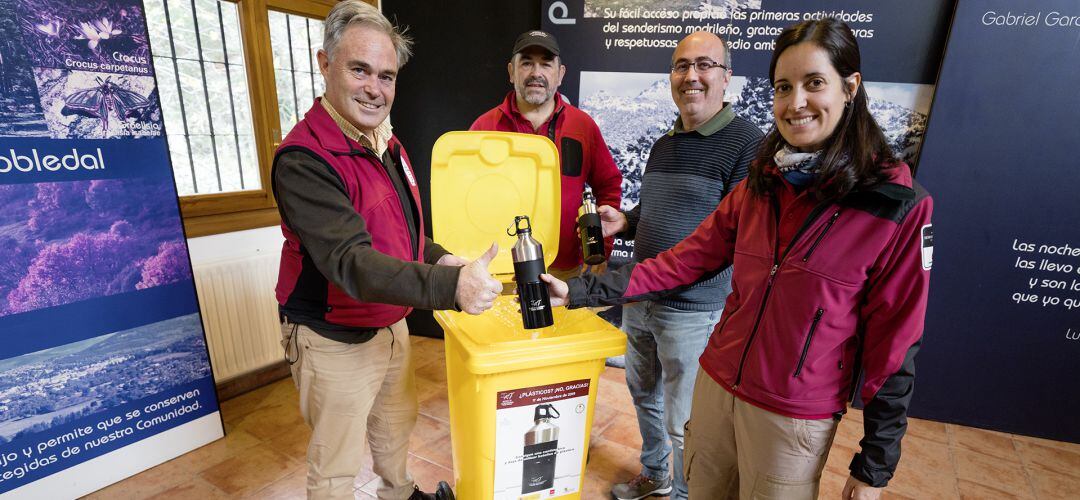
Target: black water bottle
x,y
528,266
590,230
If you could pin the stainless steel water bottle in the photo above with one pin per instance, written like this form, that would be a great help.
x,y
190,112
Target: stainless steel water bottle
x,y
590,230
528,266
541,448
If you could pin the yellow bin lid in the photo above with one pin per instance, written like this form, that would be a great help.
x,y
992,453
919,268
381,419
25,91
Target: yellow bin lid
x,y
481,180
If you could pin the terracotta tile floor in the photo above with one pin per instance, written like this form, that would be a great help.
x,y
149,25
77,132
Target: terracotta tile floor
x,y
262,455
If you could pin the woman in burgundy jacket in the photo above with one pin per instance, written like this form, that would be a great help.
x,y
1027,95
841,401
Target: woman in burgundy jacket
x,y
831,247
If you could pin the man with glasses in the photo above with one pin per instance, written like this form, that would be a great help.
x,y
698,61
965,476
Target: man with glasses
x,y
535,106
690,168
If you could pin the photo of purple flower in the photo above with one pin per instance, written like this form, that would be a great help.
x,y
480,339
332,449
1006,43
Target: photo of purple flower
x,y
91,35
88,105
70,241
50,28
96,31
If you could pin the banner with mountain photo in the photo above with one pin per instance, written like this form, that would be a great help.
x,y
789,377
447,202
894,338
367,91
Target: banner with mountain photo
x,y
618,55
104,369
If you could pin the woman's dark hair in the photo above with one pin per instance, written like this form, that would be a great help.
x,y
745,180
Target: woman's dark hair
x,y
857,136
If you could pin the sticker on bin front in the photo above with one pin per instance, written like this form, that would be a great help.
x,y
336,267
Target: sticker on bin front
x,y
540,440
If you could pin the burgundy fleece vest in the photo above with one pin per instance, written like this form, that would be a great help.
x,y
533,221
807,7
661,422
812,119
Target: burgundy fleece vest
x,y
373,196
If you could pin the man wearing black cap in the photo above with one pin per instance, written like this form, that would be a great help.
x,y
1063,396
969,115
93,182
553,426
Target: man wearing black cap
x,y
536,107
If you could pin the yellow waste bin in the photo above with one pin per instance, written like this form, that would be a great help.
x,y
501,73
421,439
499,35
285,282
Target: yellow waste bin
x,y
521,401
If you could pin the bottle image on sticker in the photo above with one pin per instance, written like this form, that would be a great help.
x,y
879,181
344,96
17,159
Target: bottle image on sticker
x,y
541,446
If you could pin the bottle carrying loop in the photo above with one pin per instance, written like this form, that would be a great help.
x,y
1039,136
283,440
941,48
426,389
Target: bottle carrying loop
x,y
516,226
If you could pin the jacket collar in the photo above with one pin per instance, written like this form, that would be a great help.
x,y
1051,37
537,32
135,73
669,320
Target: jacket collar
x,y
328,134
899,185
509,107
713,125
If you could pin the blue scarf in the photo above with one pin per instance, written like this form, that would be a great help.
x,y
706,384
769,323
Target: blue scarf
x,y
800,169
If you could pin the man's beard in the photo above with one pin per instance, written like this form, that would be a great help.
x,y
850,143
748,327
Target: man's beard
x,y
531,95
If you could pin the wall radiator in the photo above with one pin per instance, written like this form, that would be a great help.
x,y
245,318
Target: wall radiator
x,y
239,313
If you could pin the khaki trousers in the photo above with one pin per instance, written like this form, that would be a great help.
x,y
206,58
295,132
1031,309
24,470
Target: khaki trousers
x,y
349,393
737,450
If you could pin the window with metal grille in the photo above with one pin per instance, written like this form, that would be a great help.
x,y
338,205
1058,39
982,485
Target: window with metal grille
x,y
203,82
234,76
294,41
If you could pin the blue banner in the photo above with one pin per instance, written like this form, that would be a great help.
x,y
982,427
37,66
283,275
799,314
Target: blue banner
x,y
102,341
1003,328
36,160
36,456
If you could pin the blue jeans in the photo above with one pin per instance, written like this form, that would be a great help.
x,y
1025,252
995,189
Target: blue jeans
x,y
663,345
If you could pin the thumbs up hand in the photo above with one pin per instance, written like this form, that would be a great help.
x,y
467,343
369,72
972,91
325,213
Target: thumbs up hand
x,y
476,289
452,260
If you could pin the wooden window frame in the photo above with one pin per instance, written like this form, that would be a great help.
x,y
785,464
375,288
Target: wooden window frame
x,y
207,214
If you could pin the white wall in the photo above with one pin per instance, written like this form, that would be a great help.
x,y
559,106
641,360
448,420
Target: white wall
x,y
253,242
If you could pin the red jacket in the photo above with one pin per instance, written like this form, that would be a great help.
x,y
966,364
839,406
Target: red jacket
x,y
818,290
300,285
584,157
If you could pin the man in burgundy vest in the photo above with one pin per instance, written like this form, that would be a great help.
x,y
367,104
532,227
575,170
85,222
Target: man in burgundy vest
x,y
356,261
536,107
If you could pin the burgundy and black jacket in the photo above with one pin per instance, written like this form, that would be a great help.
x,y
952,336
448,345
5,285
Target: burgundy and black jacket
x,y
828,302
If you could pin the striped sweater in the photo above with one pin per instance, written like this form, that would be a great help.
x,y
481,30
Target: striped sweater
x,y
686,176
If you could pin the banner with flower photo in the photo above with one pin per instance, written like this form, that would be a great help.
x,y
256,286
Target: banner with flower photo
x,y
104,369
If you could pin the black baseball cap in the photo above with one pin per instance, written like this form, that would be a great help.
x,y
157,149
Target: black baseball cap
x,y
536,38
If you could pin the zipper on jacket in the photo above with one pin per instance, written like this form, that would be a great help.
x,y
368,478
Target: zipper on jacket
x,y
778,259
821,235
809,337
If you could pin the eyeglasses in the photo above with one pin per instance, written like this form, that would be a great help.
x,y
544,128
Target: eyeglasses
x,y
701,65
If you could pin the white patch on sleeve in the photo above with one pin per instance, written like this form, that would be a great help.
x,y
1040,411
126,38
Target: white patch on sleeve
x,y
408,171
927,246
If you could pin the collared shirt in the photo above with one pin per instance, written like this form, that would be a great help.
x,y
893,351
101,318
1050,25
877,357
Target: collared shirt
x,y
381,134
525,126
714,125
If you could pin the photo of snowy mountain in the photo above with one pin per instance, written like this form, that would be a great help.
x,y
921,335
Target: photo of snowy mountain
x,y
634,109
901,110
43,389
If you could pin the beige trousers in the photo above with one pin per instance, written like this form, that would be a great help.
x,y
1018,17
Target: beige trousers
x,y
736,450
349,393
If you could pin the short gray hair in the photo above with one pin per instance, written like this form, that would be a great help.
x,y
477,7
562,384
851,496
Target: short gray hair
x,y
356,12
